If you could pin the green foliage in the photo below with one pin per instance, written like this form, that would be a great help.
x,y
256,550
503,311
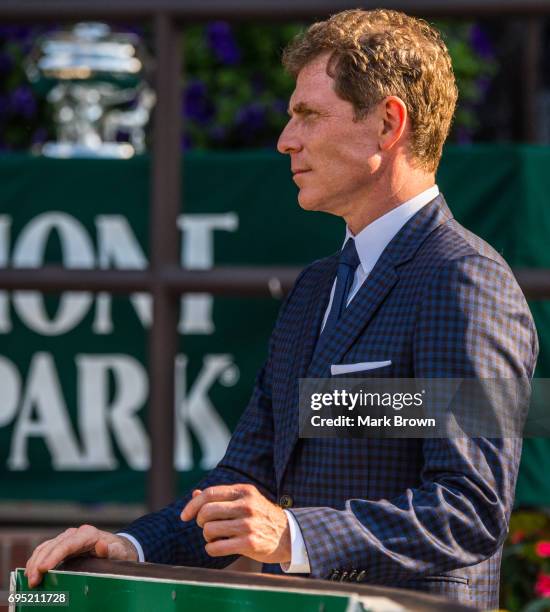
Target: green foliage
x,y
474,66
249,95
236,90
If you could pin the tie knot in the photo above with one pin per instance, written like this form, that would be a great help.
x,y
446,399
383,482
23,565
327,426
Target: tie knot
x,y
348,255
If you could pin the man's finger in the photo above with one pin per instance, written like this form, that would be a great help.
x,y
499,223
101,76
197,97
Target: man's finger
x,y
220,493
40,547
101,548
219,511
35,553
232,546
82,541
62,551
215,530
43,551
31,561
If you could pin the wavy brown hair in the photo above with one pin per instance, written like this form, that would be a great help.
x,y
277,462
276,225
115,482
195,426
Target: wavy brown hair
x,y
380,53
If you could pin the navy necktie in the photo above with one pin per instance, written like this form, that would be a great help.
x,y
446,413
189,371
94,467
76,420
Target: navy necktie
x,y
347,264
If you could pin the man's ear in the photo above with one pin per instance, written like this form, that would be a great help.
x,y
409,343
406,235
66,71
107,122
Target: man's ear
x,y
393,121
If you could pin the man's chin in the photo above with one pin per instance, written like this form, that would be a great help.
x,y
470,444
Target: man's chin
x,y
307,202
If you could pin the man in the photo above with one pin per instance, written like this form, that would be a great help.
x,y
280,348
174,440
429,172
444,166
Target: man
x,y
412,293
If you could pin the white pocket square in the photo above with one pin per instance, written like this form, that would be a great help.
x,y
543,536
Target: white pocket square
x,y
347,368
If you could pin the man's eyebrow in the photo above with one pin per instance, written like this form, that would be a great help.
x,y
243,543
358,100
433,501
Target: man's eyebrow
x,y
301,108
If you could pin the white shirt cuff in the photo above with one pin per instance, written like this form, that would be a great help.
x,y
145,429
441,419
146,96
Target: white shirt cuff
x,y
137,545
299,561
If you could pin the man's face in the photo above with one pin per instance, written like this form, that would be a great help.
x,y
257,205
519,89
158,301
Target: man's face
x,y
334,158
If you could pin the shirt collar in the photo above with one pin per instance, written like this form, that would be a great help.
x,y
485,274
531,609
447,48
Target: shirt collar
x,y
373,239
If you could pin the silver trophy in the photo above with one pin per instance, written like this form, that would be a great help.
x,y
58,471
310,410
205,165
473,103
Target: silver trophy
x,y
96,81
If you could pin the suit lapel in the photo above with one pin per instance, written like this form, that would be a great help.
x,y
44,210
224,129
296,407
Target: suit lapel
x,y
312,319
314,316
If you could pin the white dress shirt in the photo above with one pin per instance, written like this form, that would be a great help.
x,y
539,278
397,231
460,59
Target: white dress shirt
x,y
370,243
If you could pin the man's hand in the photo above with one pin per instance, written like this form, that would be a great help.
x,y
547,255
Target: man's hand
x,y
74,542
239,520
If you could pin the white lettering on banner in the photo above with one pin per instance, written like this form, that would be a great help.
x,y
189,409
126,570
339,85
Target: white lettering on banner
x,y
195,411
198,240
96,413
106,422
77,251
117,248
103,322
104,414
10,386
196,311
198,254
43,394
5,321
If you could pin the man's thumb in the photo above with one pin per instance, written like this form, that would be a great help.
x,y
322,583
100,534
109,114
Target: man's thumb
x,y
102,548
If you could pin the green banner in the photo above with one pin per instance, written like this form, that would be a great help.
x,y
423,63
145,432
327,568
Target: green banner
x,y
73,381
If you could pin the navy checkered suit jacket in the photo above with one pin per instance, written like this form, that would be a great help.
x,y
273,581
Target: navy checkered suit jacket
x,y
426,514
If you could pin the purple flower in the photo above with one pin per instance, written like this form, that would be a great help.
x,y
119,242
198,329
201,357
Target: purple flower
x,y
258,83
279,106
251,117
483,83
122,136
463,135
481,42
39,136
49,29
197,106
218,133
15,32
27,47
22,102
221,41
6,62
186,142
4,104
131,28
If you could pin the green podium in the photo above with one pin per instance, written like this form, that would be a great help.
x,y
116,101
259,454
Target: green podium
x,y
96,585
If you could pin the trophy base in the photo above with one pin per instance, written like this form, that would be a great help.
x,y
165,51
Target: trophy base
x,y
106,150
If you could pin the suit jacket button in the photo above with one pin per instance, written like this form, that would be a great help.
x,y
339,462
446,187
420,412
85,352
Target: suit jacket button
x,y
361,576
286,501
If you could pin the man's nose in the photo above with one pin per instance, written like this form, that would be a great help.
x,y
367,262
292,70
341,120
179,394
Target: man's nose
x,y
288,141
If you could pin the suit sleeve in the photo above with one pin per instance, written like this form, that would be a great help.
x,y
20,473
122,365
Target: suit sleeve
x,y
473,322
164,537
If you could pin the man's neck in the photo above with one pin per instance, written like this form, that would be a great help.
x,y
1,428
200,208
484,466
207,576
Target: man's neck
x,y
377,204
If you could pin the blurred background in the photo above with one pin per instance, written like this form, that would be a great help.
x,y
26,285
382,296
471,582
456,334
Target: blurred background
x,y
138,163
